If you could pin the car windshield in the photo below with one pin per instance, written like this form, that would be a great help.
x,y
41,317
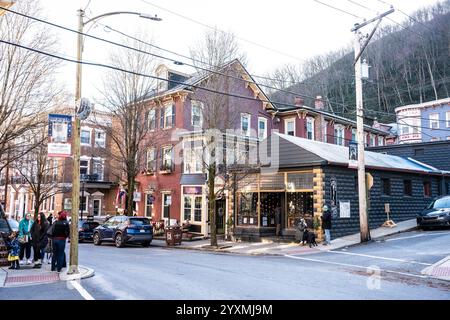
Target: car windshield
x,y
13,224
440,203
139,221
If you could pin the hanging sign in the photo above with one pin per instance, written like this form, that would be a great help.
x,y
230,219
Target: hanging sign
x,y
59,133
353,155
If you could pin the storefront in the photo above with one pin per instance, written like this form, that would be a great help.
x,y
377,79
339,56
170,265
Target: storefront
x,y
259,196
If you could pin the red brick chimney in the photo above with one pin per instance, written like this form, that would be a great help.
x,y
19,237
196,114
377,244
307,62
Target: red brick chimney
x,y
318,103
299,101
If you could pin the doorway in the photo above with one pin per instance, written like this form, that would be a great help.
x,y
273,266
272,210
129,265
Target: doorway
x,y
220,216
96,210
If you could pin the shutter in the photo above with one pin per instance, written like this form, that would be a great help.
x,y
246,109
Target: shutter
x,y
146,126
173,115
161,122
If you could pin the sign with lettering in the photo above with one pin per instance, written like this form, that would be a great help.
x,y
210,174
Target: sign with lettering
x,y
59,133
344,209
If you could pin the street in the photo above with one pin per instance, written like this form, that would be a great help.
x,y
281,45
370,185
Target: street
x,y
163,273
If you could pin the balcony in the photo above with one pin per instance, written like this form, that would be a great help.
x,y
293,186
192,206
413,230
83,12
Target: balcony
x,y
90,177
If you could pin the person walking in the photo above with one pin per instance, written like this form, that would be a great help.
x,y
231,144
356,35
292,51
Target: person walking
x,y
39,239
25,239
59,233
326,224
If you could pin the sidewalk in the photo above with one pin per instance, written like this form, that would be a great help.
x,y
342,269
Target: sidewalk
x,y
268,247
439,270
26,275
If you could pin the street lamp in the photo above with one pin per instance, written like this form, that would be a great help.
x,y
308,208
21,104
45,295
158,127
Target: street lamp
x,y
73,268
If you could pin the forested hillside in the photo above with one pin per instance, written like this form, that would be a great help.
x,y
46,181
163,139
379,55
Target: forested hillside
x,y
410,63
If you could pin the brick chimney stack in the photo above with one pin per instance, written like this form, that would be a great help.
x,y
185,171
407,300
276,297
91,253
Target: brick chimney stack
x,y
299,101
318,103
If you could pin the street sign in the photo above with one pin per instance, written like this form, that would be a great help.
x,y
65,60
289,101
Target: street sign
x,y
59,133
137,196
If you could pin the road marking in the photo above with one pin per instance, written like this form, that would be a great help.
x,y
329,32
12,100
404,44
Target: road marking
x,y
354,266
416,236
378,257
81,290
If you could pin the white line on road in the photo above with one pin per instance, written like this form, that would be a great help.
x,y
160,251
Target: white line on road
x,y
354,266
378,257
416,236
81,290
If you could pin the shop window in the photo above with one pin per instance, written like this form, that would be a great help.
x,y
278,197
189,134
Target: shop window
x,y
187,207
299,205
386,187
198,209
270,201
247,210
407,188
192,209
427,189
300,180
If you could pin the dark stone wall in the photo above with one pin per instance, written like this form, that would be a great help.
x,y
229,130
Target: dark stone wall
x,y
402,207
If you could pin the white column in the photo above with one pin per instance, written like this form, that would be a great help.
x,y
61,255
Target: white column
x,y
12,193
21,203
26,202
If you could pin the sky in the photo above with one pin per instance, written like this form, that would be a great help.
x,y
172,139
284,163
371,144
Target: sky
x,y
271,33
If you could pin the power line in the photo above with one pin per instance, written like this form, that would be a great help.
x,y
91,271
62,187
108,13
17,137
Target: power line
x,y
214,28
158,56
337,9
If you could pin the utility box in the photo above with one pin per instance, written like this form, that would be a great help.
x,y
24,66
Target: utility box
x,y
173,235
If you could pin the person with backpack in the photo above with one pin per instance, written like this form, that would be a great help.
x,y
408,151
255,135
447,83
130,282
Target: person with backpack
x,y
59,233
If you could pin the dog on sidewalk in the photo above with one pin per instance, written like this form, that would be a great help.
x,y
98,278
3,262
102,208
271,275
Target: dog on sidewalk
x,y
310,238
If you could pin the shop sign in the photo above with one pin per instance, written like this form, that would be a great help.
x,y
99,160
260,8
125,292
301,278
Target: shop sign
x,y
192,190
59,132
353,155
344,209
333,192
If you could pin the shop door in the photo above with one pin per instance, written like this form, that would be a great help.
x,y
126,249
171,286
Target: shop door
x,y
220,216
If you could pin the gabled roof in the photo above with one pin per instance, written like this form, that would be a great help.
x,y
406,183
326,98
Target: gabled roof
x,y
326,153
427,104
197,78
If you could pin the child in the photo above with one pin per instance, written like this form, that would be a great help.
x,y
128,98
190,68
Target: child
x,y
14,248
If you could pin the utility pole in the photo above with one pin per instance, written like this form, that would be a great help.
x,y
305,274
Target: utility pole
x,y
73,268
363,217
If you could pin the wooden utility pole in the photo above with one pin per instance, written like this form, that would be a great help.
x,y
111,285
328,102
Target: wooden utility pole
x,y
363,217
73,268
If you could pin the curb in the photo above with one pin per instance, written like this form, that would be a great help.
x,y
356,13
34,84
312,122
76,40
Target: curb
x,y
88,273
428,270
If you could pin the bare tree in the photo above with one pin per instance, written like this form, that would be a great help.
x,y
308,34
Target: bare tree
x,y
40,172
125,99
26,78
219,50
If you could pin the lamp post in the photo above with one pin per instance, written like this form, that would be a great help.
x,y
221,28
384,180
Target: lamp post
x,y
73,268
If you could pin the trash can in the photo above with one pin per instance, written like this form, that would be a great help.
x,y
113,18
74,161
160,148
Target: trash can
x,y
173,235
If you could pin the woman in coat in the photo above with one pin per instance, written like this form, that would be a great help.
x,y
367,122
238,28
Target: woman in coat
x,y
39,239
301,227
59,233
25,238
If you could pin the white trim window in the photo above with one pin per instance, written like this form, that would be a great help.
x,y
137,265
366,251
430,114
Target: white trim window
x,y
84,166
197,114
148,204
169,116
193,162
339,135
245,124
289,127
192,208
151,119
151,159
434,121
380,140
98,168
262,128
100,138
354,135
372,140
310,128
85,136
447,118
167,157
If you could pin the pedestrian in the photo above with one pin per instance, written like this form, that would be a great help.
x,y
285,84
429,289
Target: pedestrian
x,y
278,220
50,219
39,239
13,250
25,239
59,233
326,224
300,231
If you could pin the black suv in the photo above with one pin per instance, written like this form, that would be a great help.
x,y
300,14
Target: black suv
x,y
123,230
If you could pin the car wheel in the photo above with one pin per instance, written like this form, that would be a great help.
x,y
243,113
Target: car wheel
x,y
119,240
146,244
97,240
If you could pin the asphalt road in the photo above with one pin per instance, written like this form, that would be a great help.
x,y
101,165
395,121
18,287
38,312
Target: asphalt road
x,y
159,273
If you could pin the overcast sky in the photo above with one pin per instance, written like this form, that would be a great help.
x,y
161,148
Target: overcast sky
x,y
286,31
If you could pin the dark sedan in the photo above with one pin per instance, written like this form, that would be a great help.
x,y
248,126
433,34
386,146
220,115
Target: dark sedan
x,y
123,229
437,214
86,229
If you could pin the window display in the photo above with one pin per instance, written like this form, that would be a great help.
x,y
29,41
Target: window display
x,y
247,212
300,205
269,202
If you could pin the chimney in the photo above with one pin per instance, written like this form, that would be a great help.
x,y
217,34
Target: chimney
x,y
299,101
318,103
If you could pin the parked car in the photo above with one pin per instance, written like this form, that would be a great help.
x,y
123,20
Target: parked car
x,y
123,230
86,229
437,214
